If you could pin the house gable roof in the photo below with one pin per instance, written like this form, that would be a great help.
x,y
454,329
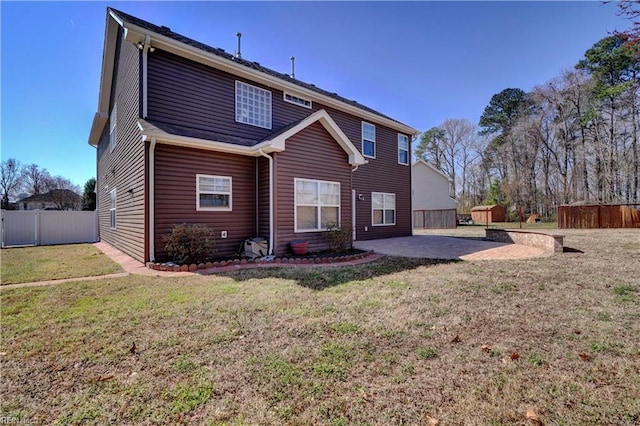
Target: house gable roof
x,y
277,141
49,197
424,163
184,136
138,30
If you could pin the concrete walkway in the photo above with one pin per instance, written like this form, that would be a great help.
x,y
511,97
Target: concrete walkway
x,y
444,247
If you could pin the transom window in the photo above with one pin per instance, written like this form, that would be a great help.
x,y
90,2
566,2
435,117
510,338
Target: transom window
x,y
112,209
317,204
214,192
403,149
253,105
368,140
383,208
288,97
113,136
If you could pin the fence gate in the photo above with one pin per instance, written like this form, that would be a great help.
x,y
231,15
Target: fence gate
x,y
39,227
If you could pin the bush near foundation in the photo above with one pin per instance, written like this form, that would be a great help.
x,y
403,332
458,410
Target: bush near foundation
x,y
340,237
187,244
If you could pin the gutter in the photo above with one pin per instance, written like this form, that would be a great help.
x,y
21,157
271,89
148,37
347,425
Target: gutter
x,y
271,183
152,201
145,50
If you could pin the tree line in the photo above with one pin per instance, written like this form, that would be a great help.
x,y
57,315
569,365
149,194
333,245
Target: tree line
x,y
31,179
573,139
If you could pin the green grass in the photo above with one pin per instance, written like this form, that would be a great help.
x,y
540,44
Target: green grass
x,y
372,344
42,263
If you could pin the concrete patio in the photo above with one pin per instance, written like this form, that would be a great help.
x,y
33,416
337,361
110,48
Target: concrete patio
x,y
446,247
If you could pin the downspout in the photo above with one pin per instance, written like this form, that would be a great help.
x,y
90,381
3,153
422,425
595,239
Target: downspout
x,y
152,201
145,50
271,180
354,230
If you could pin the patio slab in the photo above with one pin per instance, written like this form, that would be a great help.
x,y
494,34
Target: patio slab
x,y
450,248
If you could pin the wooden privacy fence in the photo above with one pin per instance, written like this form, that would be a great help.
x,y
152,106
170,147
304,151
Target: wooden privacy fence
x,y
434,219
599,216
39,227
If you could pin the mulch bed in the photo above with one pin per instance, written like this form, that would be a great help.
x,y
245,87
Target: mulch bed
x,y
315,258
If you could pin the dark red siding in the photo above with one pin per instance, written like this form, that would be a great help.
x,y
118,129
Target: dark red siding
x,y
123,169
263,197
175,195
191,94
301,160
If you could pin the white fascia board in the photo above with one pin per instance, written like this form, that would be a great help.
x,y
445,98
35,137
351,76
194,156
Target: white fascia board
x,y
112,27
355,158
99,121
136,34
189,142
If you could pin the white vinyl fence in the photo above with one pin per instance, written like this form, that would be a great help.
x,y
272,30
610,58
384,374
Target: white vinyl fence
x,y
40,227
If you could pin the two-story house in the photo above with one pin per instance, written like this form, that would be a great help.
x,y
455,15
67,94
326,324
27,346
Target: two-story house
x,y
187,133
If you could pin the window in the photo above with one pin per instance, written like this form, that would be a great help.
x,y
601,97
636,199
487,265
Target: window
x,y
113,134
403,149
288,97
384,208
317,204
253,105
112,209
368,140
214,192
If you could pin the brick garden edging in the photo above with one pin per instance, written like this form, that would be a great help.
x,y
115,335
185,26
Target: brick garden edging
x,y
172,267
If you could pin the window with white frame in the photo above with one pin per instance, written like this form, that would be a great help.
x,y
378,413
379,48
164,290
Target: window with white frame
x,y
317,204
383,208
112,209
113,133
288,97
368,140
403,149
213,192
253,105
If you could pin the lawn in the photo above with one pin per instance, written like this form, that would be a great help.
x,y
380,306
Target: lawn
x,y
28,264
392,342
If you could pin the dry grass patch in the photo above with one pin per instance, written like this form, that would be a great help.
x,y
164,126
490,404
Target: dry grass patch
x,y
29,264
394,342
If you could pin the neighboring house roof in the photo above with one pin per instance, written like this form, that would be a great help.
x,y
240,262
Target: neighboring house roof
x,y
52,196
183,136
422,162
138,31
484,208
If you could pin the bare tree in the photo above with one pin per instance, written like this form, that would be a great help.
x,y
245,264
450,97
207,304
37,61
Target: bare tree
x,y
36,179
10,180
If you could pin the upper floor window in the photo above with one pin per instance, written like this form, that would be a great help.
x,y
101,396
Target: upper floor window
x,y
112,209
214,192
317,204
368,140
113,131
383,208
288,97
253,105
403,149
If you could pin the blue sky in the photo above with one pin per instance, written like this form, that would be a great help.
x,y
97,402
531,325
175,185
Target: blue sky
x,y
418,62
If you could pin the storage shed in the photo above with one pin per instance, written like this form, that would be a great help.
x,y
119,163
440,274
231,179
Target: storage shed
x,y
488,214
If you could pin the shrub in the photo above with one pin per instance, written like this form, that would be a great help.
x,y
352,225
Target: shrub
x,y
190,243
340,237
